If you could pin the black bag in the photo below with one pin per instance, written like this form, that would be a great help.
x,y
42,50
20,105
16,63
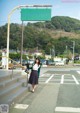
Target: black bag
x,y
27,71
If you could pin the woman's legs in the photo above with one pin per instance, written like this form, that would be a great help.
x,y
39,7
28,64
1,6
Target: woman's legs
x,y
33,87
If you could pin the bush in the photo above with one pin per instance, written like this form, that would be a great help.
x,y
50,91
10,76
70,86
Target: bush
x,y
77,61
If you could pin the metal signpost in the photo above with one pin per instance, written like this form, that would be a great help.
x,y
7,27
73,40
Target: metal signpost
x,y
29,13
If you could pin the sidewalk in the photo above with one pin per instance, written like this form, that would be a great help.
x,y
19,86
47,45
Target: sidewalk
x,y
43,100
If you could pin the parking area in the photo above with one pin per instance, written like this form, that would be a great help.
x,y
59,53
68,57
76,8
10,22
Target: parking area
x,y
61,77
58,92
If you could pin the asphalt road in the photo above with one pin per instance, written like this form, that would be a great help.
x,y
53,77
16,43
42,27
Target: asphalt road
x,y
68,78
58,92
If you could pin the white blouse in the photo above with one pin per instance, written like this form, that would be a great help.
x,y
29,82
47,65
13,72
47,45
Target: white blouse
x,y
35,67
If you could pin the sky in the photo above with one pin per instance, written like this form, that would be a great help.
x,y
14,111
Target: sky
x,y
69,8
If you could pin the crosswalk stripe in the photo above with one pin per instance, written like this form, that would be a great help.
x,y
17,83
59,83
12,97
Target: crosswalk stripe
x,y
75,79
49,78
62,79
21,106
67,109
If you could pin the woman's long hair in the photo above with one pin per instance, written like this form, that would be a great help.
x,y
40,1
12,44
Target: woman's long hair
x,y
38,61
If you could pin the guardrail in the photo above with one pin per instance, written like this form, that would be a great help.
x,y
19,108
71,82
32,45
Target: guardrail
x,y
11,65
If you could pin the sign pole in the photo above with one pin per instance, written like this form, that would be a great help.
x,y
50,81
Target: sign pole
x,y
22,43
8,28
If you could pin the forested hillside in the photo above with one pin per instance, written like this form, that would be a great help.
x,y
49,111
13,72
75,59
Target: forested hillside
x,y
61,23
57,33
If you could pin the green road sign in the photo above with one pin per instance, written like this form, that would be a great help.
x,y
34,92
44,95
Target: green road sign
x,y
35,14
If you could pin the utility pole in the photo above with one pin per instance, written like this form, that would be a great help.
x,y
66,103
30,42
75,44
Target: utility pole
x,y
50,53
66,50
53,51
73,50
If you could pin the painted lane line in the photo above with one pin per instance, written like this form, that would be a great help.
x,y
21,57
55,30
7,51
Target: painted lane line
x,y
76,81
62,79
21,106
45,74
49,79
67,109
78,72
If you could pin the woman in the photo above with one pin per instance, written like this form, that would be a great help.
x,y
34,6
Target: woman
x,y
33,80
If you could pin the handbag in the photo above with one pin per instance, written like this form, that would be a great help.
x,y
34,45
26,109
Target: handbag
x,y
27,71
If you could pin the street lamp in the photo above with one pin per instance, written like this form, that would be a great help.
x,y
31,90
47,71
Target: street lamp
x,y
8,32
8,27
52,52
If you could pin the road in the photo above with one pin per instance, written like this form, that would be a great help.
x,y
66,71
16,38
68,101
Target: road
x,y
69,90
60,75
58,92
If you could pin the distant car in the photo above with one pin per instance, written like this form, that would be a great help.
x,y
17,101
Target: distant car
x,y
59,63
47,62
43,61
30,61
24,62
51,62
76,57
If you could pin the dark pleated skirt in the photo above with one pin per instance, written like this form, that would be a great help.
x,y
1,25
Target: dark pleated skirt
x,y
33,79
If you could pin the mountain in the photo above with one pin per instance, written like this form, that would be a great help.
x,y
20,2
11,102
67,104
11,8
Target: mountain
x,y
67,24
59,31
60,26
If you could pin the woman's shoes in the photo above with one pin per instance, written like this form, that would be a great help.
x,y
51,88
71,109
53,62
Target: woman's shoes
x,y
32,91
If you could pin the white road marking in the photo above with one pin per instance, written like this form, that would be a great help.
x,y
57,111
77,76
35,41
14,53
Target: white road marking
x,y
73,79
67,109
62,79
76,81
21,106
42,75
49,78
78,72
45,74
